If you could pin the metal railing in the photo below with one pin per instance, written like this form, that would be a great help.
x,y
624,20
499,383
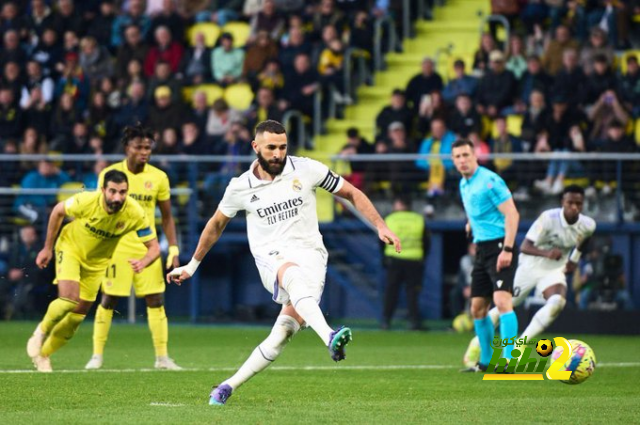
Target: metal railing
x,y
501,20
378,31
354,58
612,181
406,20
298,118
196,197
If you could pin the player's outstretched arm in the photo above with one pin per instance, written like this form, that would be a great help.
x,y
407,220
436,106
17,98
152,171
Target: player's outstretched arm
x,y
55,222
210,235
153,252
364,205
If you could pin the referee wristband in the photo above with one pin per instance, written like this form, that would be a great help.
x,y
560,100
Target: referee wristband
x,y
575,256
192,266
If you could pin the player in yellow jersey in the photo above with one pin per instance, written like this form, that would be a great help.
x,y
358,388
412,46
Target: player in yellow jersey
x,y
150,187
82,253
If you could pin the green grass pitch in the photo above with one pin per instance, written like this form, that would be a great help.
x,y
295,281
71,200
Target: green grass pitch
x,y
387,378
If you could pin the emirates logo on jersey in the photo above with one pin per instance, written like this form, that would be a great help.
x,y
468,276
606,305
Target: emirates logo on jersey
x,y
280,211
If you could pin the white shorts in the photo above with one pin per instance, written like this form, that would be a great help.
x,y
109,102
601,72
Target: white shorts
x,y
528,278
313,263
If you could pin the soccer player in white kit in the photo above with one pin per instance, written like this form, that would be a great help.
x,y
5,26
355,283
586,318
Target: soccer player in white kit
x,y
278,193
551,249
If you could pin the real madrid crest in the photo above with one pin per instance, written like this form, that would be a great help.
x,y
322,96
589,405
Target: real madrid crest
x,y
297,186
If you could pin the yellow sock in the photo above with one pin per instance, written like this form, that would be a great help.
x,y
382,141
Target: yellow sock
x,y
62,333
101,326
159,329
58,309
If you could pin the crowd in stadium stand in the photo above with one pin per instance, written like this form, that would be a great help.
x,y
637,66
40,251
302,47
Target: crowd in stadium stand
x,y
565,81
75,73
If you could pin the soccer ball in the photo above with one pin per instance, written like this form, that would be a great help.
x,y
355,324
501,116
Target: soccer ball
x,y
462,323
544,347
582,362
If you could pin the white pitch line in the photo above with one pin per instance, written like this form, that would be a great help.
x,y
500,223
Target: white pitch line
x,y
291,368
165,404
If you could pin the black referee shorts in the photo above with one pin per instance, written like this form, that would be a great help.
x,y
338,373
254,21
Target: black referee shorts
x,y
485,278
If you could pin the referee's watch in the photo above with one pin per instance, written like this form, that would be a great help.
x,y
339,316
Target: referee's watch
x,y
507,249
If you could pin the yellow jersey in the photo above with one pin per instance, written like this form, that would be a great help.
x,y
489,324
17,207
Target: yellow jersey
x,y
94,234
147,187
329,59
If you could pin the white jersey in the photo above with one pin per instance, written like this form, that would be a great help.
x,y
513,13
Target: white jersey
x,y
281,213
551,230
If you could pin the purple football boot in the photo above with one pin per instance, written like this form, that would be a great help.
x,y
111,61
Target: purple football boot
x,y
338,342
220,395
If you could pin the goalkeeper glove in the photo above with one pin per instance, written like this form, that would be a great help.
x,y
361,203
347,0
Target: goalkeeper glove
x,y
173,253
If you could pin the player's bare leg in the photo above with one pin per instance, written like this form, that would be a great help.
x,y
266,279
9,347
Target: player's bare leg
x,y
556,297
286,326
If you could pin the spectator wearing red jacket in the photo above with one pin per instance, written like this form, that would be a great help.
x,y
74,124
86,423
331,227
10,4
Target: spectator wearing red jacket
x,y
166,50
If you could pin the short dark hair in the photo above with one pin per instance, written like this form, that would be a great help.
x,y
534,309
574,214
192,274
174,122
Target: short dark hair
x,y
632,58
115,176
462,142
573,188
353,132
270,126
600,58
131,132
616,124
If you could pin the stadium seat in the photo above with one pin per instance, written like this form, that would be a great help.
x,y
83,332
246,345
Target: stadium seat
x,y
210,30
213,92
514,125
240,32
623,59
63,196
239,96
183,199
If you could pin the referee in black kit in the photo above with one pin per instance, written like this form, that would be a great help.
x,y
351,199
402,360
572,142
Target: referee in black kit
x,y
493,221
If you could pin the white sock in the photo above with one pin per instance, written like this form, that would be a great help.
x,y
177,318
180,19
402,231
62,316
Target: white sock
x,y
304,303
545,316
265,353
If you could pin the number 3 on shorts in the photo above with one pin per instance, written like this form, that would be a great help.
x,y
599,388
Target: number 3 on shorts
x,y
60,257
